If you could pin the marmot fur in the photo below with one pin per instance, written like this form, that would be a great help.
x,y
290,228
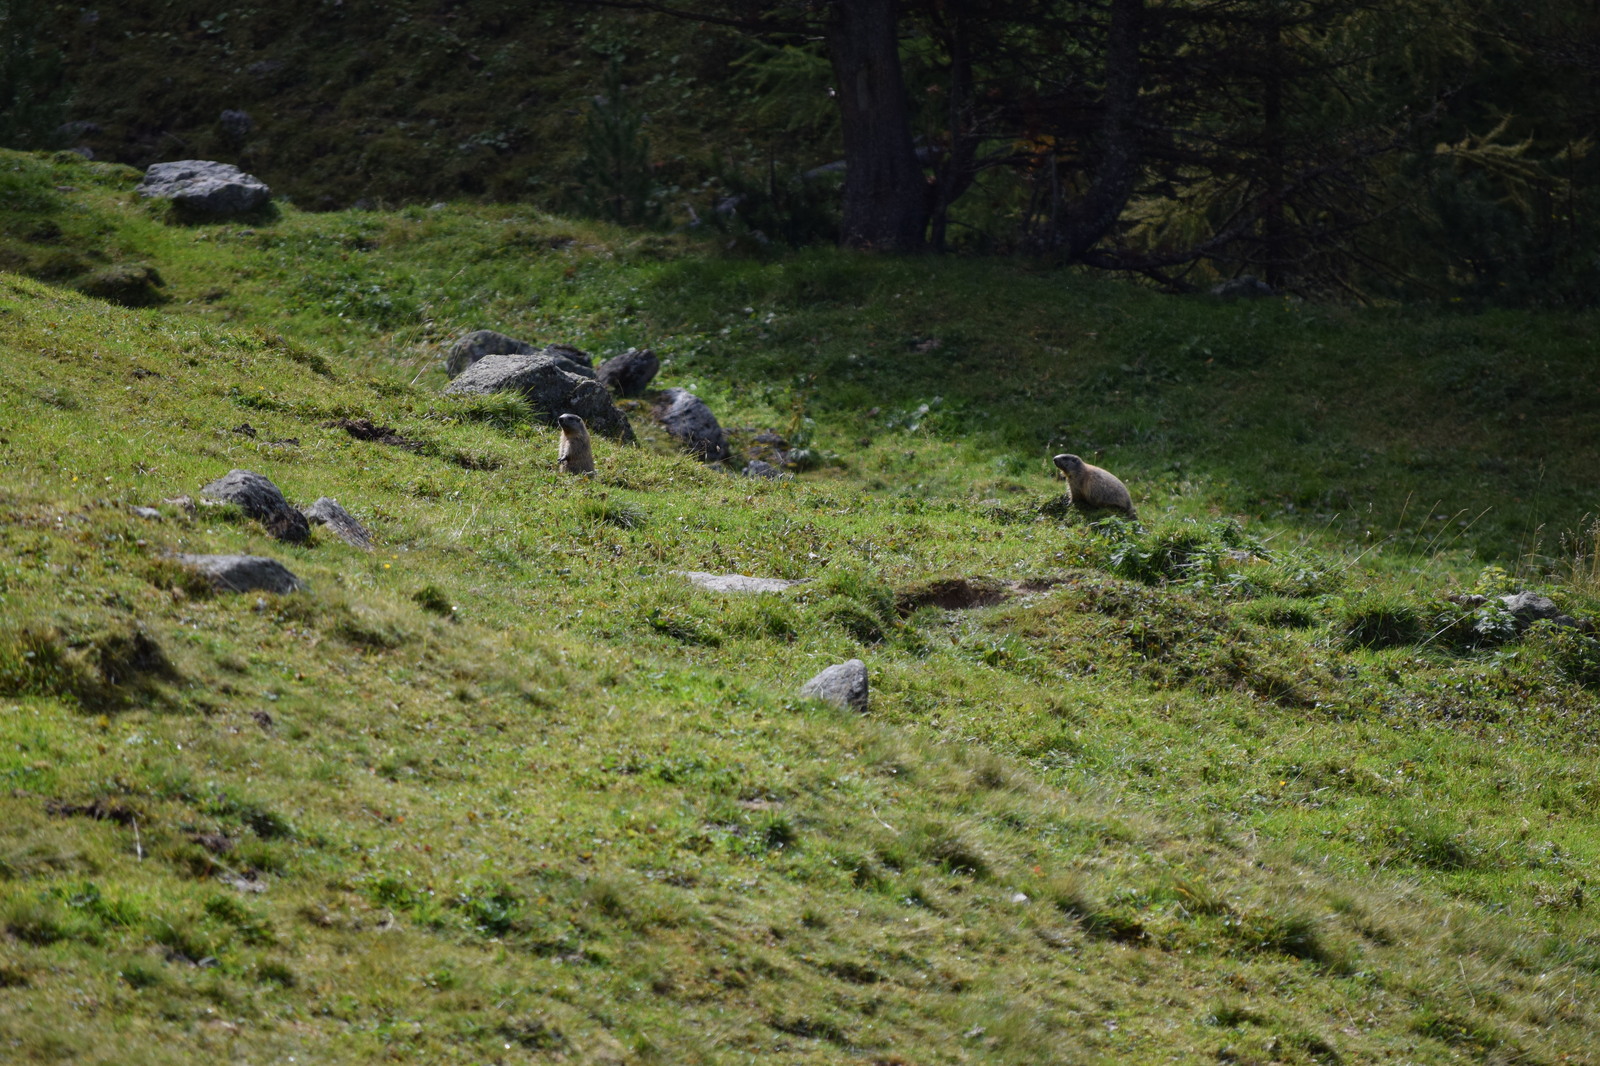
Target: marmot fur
x,y
1094,488
574,456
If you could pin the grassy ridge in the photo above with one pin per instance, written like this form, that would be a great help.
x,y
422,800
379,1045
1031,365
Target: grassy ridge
x,y
509,789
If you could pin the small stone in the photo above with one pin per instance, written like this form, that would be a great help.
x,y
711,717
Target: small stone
x,y
762,469
236,125
327,512
843,685
147,512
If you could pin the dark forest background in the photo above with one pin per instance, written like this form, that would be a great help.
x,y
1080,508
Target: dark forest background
x,y
1423,150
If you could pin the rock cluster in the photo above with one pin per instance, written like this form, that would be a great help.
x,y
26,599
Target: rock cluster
x,y
558,379
259,498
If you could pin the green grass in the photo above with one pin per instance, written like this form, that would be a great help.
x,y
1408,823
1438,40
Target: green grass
x,y
509,789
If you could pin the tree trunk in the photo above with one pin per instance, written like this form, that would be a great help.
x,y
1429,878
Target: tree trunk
x,y
1101,207
886,196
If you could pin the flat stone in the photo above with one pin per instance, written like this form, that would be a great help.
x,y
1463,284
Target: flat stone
x,y
736,582
244,573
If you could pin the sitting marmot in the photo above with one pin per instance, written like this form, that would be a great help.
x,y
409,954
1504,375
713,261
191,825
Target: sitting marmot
x,y
1094,488
574,456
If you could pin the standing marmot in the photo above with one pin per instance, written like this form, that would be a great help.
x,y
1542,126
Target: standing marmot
x,y
1093,488
574,457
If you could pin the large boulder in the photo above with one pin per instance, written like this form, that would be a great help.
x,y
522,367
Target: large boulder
x,y
549,387
470,347
204,189
690,422
259,498
243,573
630,373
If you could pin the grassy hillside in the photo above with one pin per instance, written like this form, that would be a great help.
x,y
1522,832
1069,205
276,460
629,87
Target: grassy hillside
x,y
1242,784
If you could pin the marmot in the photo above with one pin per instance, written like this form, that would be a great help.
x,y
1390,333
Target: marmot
x,y
1094,488
575,456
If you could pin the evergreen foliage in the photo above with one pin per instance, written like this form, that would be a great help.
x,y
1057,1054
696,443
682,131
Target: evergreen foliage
x,y
32,96
615,177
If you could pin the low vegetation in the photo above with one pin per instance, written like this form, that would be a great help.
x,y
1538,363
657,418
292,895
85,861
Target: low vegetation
x,y
1269,777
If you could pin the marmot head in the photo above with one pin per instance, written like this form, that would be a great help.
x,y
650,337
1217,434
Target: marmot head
x,y
1068,464
572,424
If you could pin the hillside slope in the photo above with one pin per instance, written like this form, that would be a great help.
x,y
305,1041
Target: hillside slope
x,y
508,788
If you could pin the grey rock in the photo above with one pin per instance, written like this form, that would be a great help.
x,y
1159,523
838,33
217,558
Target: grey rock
x,y
549,387
582,362
327,512
630,373
261,500
236,125
471,347
844,685
1243,287
690,422
147,512
736,582
761,468
1530,607
203,188
244,573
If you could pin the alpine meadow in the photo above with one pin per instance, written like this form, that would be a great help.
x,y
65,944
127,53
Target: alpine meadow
x,y
1293,759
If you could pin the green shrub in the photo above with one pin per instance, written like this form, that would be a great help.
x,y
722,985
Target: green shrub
x,y
1380,620
1280,612
681,624
852,617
